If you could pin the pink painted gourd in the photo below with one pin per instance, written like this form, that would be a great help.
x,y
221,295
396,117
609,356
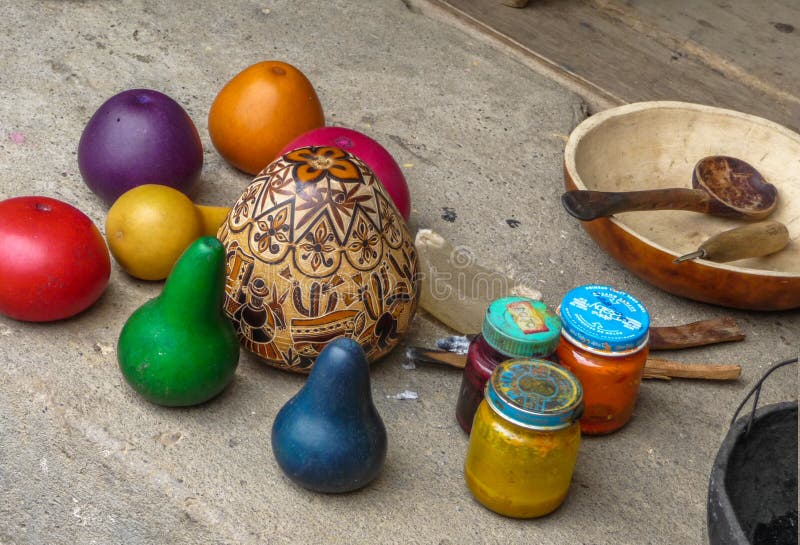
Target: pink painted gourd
x,y
368,150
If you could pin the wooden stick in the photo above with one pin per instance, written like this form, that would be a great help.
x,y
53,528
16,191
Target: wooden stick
x,y
704,332
655,368
417,354
700,333
660,368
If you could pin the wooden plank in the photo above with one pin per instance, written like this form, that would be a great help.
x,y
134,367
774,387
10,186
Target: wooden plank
x,y
735,54
761,36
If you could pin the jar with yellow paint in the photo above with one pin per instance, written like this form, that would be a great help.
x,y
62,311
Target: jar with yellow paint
x,y
525,438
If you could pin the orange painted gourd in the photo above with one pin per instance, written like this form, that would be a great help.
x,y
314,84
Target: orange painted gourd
x,y
259,111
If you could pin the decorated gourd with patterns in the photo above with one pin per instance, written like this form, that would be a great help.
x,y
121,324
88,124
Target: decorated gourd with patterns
x,y
316,250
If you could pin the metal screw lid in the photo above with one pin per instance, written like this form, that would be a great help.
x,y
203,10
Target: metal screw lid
x,y
535,394
604,319
521,327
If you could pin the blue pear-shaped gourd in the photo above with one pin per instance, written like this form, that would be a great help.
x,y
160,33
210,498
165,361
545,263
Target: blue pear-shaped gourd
x,y
329,437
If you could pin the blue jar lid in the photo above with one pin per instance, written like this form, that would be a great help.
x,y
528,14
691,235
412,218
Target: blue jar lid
x,y
605,319
521,327
535,394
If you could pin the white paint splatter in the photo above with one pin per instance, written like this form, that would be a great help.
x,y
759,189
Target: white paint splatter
x,y
43,465
103,348
76,512
168,438
456,344
405,394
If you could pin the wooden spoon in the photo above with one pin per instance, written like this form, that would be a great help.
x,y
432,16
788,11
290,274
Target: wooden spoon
x,y
723,186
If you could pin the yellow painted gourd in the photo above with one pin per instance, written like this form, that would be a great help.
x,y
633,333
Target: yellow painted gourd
x,y
150,226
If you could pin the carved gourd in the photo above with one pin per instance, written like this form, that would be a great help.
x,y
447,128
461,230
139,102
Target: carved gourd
x,y
316,250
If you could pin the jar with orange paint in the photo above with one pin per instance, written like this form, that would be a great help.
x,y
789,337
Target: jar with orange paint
x,y
603,342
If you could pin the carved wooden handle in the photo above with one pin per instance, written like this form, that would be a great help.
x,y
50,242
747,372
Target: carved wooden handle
x,y
589,205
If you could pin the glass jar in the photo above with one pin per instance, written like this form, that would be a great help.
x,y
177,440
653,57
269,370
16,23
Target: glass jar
x,y
604,343
514,327
525,438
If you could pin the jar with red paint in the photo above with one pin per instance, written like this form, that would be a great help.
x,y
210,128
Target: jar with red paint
x,y
514,327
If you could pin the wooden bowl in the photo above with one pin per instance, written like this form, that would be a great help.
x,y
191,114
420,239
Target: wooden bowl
x,y
650,145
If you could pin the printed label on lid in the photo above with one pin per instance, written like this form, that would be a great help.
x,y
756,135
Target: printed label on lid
x,y
597,308
604,318
526,317
521,327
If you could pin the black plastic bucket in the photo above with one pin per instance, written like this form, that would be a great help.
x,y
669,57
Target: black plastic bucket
x,y
752,492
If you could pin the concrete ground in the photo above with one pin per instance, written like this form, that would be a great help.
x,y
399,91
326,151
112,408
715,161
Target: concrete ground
x,y
84,460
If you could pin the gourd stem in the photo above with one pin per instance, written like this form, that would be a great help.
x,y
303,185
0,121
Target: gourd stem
x,y
212,217
196,286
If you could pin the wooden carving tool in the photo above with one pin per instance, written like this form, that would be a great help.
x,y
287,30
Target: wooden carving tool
x,y
754,240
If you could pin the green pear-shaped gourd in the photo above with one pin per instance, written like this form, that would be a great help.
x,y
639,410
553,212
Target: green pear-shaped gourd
x,y
180,349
